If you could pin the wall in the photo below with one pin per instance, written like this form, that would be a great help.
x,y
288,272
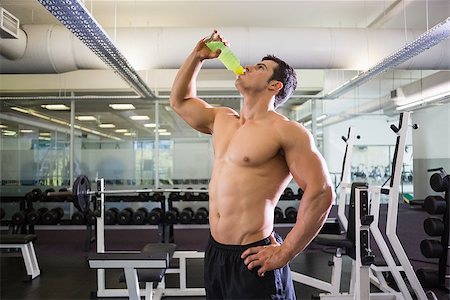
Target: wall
x,y
373,131
431,145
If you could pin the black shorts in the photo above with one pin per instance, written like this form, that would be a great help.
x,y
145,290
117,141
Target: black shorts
x,y
227,277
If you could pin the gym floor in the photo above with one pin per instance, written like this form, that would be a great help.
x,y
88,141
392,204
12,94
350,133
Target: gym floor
x,y
65,273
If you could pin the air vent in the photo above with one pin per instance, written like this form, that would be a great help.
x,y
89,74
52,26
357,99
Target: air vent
x,y
9,25
393,94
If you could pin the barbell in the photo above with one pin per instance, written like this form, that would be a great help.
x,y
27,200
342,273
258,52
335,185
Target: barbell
x,y
81,192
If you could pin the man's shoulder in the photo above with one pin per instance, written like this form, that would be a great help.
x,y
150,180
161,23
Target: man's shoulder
x,y
226,111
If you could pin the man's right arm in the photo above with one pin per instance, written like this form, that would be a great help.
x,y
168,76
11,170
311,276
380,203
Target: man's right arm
x,y
183,98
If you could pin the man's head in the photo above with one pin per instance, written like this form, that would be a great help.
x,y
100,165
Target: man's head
x,y
284,74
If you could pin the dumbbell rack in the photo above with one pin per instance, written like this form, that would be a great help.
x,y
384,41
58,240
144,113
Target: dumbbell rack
x,y
432,248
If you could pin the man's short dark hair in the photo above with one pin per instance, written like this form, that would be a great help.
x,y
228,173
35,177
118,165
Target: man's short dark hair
x,y
286,75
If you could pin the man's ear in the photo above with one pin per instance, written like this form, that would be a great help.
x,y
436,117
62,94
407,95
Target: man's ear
x,y
275,85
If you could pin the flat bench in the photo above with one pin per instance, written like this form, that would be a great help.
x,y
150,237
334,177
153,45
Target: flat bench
x,y
25,243
147,266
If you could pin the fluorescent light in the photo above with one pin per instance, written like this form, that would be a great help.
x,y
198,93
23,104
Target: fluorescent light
x,y
45,134
8,132
107,125
55,107
121,130
307,123
86,118
320,118
139,118
3,126
129,134
122,106
164,133
25,111
33,113
150,125
424,101
160,130
26,130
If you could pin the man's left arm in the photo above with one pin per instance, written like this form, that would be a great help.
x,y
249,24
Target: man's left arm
x,y
309,170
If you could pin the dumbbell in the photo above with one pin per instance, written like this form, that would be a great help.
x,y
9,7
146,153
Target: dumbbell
x,y
435,205
125,215
78,218
278,215
428,278
171,216
157,197
433,226
186,215
431,248
19,218
288,194
34,217
291,214
91,217
201,216
439,182
155,216
140,216
299,194
53,216
174,196
111,216
33,195
204,196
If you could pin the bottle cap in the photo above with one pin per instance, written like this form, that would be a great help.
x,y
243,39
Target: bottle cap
x,y
239,71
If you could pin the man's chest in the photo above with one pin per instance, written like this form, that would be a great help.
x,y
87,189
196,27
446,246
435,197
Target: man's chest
x,y
246,145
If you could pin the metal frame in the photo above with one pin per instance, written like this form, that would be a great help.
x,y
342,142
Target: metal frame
x,y
133,290
29,257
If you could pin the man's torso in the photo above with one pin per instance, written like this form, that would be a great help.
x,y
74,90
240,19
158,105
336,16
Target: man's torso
x,y
249,175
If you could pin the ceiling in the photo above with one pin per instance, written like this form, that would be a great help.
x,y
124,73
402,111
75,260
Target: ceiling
x,y
171,28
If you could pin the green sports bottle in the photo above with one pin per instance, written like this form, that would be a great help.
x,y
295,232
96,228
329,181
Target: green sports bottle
x,y
227,57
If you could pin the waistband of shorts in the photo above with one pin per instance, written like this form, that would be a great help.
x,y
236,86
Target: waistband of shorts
x,y
215,244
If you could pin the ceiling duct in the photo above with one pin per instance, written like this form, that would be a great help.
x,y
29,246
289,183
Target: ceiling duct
x,y
9,24
75,17
427,40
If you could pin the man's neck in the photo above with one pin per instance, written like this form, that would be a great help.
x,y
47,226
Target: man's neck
x,y
254,108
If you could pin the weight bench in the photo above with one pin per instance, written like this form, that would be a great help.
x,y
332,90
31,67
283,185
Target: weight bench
x,y
25,243
147,266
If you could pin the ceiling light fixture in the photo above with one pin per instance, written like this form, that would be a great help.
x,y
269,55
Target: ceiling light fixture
x,y
121,130
429,100
75,17
86,118
427,40
8,132
55,107
107,125
64,123
139,118
150,125
122,106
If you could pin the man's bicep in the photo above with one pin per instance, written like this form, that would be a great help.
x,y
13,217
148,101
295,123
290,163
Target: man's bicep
x,y
305,163
197,113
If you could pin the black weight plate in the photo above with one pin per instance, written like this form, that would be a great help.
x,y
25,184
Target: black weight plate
x,y
80,190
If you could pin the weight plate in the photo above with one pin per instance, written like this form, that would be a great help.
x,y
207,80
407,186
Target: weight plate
x,y
81,197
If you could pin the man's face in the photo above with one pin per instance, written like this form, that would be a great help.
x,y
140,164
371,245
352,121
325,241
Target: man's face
x,y
256,77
